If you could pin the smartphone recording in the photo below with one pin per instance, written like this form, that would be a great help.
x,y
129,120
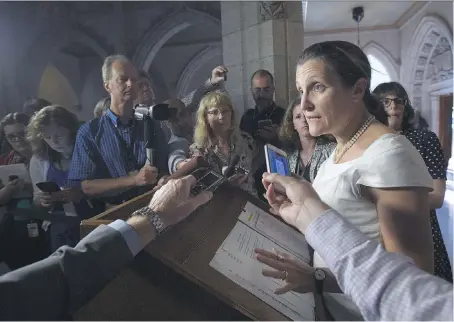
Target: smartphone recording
x,y
276,161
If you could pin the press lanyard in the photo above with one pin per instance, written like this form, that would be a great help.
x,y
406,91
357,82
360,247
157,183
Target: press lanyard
x,y
267,115
128,149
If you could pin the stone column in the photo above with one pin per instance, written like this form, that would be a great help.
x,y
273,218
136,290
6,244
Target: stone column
x,y
261,35
434,116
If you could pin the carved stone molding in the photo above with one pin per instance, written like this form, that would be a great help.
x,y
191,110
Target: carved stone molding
x,y
272,10
430,63
427,47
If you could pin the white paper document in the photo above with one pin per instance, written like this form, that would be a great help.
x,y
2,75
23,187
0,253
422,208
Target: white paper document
x,y
289,239
236,260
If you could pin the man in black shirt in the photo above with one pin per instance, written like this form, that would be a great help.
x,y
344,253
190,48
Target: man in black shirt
x,y
262,122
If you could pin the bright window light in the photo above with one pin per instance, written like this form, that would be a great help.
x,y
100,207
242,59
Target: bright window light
x,y
379,72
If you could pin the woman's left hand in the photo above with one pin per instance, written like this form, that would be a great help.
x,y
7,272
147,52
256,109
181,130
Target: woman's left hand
x,y
298,275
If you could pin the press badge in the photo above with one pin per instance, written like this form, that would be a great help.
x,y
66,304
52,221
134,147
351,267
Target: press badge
x,y
33,230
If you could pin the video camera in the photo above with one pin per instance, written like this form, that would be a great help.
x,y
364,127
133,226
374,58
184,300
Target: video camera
x,y
157,112
149,114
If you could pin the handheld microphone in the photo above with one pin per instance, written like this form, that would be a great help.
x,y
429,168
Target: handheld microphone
x,y
149,114
228,171
149,139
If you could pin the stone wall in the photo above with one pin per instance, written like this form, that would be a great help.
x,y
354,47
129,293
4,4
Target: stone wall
x,y
75,37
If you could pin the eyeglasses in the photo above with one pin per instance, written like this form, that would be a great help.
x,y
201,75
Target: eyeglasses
x,y
216,112
19,136
397,101
258,90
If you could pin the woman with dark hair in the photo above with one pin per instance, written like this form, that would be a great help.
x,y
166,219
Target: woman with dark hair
x,y
400,119
34,104
305,152
13,137
374,177
52,134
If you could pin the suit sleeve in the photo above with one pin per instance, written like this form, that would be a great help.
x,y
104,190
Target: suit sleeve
x,y
66,280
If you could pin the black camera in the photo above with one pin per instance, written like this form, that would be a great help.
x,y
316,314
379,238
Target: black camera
x,y
206,181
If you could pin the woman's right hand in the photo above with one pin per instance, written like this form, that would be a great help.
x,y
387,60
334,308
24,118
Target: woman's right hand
x,y
14,186
299,205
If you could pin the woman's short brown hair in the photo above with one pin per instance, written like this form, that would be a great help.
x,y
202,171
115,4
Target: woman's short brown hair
x,y
10,119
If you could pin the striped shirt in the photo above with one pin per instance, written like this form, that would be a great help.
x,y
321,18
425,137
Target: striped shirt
x,y
105,148
385,286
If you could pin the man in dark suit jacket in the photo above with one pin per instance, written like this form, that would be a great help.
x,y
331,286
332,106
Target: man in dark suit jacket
x,y
62,283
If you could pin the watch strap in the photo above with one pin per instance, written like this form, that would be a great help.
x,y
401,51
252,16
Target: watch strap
x,y
152,217
319,282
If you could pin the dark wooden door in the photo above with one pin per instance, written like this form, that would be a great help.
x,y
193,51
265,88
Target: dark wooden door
x,y
445,121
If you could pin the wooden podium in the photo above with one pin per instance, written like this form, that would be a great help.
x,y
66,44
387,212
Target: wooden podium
x,y
171,279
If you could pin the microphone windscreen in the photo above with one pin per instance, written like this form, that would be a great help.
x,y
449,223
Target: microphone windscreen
x,y
229,170
160,112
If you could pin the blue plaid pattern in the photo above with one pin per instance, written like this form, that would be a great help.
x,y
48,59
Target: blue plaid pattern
x,y
99,154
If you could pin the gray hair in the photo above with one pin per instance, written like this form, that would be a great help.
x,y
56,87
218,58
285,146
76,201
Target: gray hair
x,y
101,107
106,69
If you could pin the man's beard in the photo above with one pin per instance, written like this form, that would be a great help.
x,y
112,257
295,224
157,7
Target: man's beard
x,y
263,103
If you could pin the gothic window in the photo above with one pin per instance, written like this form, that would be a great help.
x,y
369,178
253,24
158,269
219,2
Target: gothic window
x,y
379,72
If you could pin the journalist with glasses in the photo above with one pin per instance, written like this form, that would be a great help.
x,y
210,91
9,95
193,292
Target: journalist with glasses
x,y
15,150
401,118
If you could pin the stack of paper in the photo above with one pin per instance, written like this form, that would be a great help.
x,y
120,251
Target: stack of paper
x,y
236,260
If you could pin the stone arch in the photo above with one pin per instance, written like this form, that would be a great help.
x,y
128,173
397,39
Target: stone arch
x,y
165,29
392,66
158,85
37,56
206,54
431,36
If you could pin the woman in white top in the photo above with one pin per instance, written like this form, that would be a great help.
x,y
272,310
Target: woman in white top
x,y
52,132
375,177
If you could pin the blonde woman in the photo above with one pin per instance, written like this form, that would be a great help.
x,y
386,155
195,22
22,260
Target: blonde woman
x,y
218,140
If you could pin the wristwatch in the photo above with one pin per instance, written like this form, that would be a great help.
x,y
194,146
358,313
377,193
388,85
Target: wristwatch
x,y
153,217
320,276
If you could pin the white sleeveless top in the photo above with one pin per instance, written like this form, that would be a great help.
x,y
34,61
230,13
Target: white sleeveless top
x,y
389,162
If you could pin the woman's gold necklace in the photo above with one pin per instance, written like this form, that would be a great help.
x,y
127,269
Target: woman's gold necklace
x,y
339,153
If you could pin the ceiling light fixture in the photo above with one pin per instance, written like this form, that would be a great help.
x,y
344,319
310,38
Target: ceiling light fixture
x,y
358,15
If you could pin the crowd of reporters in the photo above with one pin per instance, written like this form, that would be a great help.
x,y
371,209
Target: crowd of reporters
x,y
373,172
